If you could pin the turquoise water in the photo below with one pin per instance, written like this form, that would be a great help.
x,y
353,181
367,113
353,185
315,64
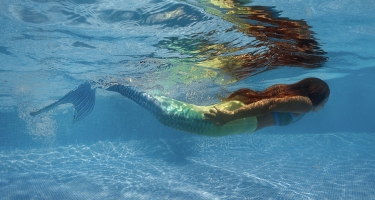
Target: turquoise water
x,y
120,151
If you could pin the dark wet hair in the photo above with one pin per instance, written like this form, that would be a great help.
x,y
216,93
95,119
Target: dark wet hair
x,y
280,41
314,88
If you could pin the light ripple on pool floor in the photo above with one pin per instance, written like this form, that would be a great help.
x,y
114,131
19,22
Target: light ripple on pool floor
x,y
316,165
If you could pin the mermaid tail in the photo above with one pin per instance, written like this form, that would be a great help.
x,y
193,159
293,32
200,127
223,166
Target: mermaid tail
x,y
172,113
187,117
83,99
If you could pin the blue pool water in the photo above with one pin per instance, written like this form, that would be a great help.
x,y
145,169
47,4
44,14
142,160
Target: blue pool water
x,y
119,151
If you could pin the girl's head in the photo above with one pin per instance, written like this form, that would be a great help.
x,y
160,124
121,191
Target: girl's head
x,y
314,88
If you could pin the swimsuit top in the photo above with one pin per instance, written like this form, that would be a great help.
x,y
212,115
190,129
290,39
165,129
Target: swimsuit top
x,y
283,119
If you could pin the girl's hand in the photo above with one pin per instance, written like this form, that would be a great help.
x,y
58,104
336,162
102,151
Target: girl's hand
x,y
218,117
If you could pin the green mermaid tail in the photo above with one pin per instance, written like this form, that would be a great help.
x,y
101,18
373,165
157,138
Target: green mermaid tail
x,y
187,117
190,118
172,113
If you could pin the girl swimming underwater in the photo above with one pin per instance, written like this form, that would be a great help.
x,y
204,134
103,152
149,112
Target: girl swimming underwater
x,y
243,111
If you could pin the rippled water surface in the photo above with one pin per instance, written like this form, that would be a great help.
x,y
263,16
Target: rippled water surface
x,y
189,50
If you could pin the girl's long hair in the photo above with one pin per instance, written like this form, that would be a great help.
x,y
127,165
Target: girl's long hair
x,y
314,88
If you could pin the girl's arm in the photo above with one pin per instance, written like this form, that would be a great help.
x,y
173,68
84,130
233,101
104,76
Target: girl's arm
x,y
297,104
